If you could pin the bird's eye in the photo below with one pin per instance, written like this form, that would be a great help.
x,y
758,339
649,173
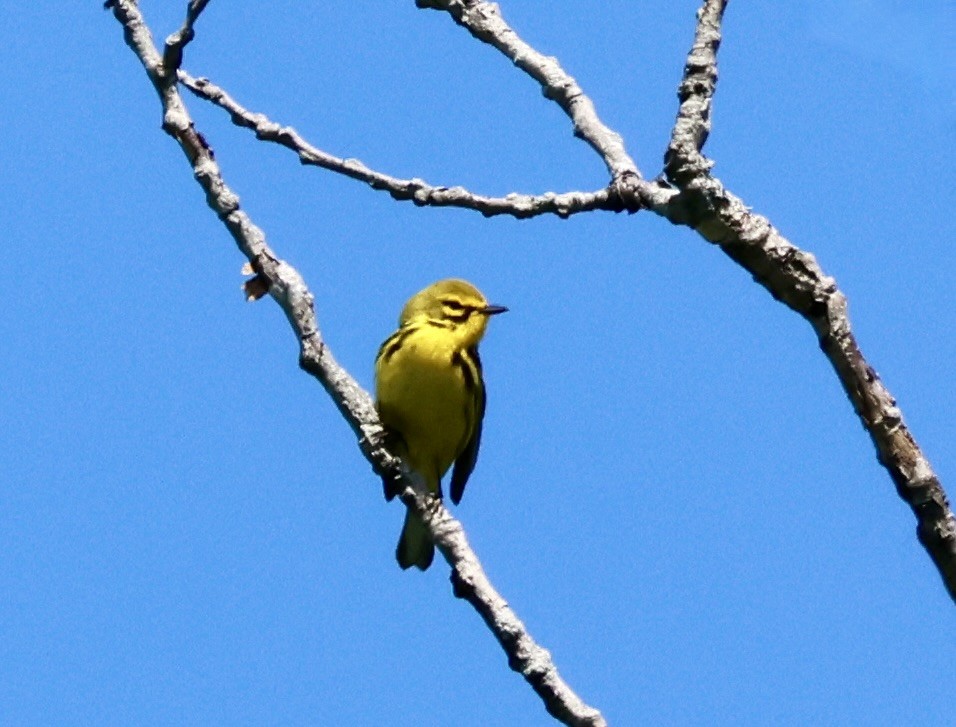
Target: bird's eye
x,y
456,310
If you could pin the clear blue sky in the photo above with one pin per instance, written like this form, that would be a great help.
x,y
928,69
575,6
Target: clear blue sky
x,y
673,491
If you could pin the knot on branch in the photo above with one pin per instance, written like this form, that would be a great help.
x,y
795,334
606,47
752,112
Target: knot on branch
x,y
625,189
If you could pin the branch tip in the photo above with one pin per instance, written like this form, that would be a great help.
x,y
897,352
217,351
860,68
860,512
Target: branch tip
x,y
176,43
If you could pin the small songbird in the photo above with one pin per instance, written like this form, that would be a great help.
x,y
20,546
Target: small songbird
x,y
431,396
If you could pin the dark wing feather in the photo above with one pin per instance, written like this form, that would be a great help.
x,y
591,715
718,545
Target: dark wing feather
x,y
393,440
391,344
470,365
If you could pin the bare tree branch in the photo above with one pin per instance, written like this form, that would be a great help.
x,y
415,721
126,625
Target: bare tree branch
x,y
177,42
415,190
288,289
483,20
793,276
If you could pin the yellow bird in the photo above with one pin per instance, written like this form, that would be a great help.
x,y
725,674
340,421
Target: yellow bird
x,y
431,396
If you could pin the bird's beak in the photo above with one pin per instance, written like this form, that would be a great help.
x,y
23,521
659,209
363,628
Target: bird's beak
x,y
493,310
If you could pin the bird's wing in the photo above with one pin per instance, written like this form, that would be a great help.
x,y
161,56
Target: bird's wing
x,y
470,365
394,441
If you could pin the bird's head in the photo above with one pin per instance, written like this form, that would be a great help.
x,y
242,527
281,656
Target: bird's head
x,y
453,302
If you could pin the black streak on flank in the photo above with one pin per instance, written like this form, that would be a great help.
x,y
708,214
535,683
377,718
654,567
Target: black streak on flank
x,y
392,344
458,359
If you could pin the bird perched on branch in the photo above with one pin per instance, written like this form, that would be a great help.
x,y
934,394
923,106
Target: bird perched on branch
x,y
431,396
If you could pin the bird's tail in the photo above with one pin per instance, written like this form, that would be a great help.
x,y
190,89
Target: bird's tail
x,y
415,546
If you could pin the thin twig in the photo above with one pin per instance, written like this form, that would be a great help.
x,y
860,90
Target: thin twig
x,y
484,21
288,289
416,190
177,42
793,277
683,161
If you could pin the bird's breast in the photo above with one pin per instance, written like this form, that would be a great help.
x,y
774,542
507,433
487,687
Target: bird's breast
x,y
423,397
